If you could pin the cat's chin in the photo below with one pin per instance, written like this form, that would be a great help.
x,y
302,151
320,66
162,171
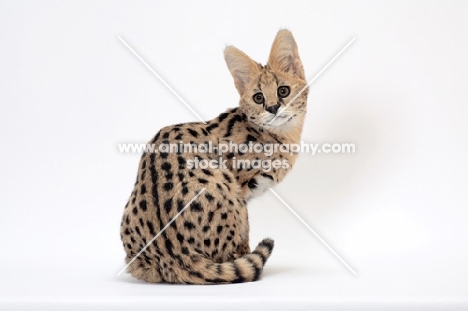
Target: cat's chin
x,y
281,123
282,120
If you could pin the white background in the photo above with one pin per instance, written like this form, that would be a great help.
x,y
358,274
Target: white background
x,y
396,210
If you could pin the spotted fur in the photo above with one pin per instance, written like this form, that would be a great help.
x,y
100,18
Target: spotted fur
x,y
209,242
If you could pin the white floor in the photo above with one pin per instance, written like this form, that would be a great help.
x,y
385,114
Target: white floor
x,y
396,210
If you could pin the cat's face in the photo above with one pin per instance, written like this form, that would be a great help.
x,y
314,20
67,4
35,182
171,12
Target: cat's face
x,y
268,100
272,96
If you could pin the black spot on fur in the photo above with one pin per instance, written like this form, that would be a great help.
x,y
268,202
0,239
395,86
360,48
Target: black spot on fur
x,y
196,207
211,127
181,160
230,126
168,186
180,176
168,205
150,227
209,197
168,245
222,116
196,274
155,139
228,179
210,216
252,183
143,205
166,166
180,238
207,172
251,138
189,225
180,205
193,133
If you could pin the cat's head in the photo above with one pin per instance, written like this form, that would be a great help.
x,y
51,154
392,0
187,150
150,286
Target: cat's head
x,y
271,92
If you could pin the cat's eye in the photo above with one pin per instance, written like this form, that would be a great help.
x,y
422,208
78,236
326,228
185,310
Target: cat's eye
x,y
258,98
283,91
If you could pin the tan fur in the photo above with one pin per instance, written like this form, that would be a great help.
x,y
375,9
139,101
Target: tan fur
x,y
209,242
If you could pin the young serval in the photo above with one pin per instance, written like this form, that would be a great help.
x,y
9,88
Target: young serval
x,y
209,242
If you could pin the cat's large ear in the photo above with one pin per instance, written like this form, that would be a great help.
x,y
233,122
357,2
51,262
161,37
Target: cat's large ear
x,y
284,55
242,67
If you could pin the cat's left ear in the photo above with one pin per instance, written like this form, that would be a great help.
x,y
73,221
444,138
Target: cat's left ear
x,y
284,55
243,69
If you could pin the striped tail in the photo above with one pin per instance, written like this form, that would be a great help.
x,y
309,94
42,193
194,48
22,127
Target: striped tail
x,y
248,268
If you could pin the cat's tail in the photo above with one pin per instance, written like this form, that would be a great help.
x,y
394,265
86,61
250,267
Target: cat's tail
x,y
247,268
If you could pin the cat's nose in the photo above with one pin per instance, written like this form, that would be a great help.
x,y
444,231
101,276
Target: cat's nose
x,y
273,109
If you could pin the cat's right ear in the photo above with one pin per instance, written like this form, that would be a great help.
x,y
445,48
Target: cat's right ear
x,y
242,68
